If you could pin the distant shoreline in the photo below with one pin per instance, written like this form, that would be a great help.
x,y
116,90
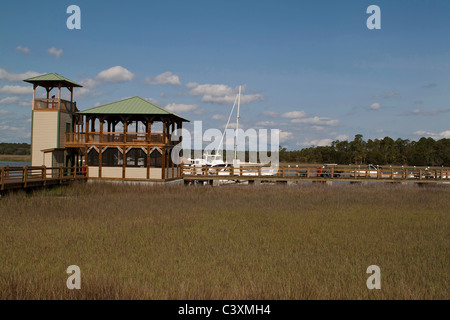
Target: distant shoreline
x,y
15,158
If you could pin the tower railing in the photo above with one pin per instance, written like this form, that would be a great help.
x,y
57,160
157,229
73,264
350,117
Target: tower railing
x,y
53,104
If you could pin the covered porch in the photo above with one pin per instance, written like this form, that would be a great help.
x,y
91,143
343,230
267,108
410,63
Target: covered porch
x,y
129,140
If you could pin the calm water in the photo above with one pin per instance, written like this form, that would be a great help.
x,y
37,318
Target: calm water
x,y
14,163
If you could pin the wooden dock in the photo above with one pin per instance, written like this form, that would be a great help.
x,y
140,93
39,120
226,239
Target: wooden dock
x,y
286,174
32,177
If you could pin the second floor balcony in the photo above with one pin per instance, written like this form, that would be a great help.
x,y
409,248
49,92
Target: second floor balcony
x,y
75,139
55,104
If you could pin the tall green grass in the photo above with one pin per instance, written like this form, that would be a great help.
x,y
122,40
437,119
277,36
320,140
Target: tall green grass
x,y
235,242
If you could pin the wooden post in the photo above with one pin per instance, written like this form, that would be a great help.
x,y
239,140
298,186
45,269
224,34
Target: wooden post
x,y
100,161
124,160
420,174
173,171
44,175
25,176
164,133
307,172
2,180
332,172
148,162
59,96
71,100
163,163
125,129
60,175
101,130
34,95
378,174
436,175
442,174
149,132
392,174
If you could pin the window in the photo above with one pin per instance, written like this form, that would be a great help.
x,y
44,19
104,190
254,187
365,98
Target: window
x,y
112,157
92,157
155,159
136,158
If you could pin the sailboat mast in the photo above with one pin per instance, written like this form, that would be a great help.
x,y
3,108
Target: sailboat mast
x,y
237,124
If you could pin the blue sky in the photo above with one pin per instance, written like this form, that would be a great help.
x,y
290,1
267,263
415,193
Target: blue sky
x,y
309,68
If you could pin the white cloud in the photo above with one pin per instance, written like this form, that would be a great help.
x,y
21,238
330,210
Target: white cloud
x,y
164,78
26,103
23,49
342,137
9,128
53,51
375,106
152,100
271,114
3,112
115,74
220,93
285,135
219,117
9,100
321,121
89,83
443,135
294,114
16,90
13,77
173,107
232,125
266,124
317,142
434,112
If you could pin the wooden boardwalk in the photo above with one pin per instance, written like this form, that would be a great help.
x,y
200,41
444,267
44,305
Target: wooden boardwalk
x,y
205,173
32,177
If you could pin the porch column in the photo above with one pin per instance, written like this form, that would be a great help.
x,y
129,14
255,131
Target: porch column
x,y
59,96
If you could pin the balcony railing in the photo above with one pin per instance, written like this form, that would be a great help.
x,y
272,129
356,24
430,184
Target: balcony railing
x,y
53,104
113,138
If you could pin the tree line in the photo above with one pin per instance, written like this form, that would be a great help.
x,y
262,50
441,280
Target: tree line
x,y
15,148
424,152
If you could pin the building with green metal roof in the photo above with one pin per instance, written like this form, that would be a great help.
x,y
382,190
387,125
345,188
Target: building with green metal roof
x,y
130,139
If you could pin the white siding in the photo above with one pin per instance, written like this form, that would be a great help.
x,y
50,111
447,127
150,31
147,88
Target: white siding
x,y
92,172
155,173
112,172
135,173
45,134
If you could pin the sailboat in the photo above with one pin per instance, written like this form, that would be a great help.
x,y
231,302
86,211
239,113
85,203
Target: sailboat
x,y
215,159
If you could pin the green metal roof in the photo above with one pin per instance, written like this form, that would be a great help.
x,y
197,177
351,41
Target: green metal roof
x,y
130,106
52,78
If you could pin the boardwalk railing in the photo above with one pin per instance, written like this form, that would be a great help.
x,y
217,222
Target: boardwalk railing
x,y
23,177
229,173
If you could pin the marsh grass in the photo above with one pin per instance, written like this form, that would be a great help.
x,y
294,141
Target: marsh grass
x,y
236,242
